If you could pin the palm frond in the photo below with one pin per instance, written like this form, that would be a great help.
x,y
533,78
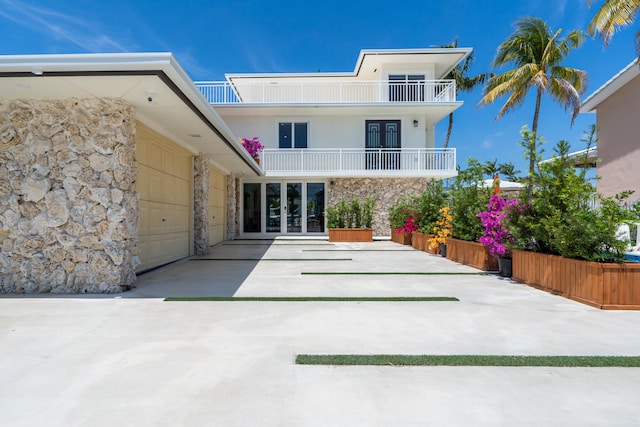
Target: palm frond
x,y
612,15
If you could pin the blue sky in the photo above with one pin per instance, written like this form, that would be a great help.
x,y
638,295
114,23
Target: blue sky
x,y
210,38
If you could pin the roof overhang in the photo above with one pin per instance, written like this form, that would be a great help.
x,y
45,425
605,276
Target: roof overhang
x,y
587,158
163,95
625,75
445,59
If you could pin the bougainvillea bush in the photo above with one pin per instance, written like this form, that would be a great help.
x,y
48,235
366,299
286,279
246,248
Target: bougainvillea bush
x,y
496,227
253,146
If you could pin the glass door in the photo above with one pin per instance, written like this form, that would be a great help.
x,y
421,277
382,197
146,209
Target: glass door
x,y
273,207
293,208
315,207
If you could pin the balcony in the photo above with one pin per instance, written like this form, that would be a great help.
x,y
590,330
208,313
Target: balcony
x,y
338,92
365,162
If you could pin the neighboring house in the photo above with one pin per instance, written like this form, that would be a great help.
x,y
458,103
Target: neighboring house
x,y
113,164
330,136
616,105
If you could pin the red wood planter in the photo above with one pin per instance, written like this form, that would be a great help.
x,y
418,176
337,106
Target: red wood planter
x,y
421,242
400,237
602,285
473,254
351,235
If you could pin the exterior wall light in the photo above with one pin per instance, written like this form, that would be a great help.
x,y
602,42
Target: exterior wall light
x,y
415,123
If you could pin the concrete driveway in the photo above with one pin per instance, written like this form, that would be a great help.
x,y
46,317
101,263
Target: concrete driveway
x,y
133,359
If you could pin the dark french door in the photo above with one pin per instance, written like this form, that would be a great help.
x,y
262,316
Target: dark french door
x,y
382,144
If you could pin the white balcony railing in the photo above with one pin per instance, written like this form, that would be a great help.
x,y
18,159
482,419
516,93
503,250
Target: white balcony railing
x,y
404,162
425,91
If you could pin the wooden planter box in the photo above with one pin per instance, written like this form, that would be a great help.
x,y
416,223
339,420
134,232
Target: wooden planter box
x,y
351,235
473,254
400,237
602,285
420,242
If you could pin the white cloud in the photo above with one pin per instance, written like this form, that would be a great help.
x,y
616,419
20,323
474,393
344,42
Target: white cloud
x,y
487,144
59,26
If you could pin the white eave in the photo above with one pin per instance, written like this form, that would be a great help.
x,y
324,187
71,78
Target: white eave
x,y
627,74
180,111
456,54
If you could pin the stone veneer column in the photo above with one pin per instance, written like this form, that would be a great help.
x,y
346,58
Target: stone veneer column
x,y
68,200
201,204
385,191
232,202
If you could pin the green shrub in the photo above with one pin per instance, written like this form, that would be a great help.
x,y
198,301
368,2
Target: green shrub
x,y
558,219
428,205
398,213
351,214
467,199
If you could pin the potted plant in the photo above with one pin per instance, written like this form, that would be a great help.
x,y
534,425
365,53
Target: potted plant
x,y
350,221
442,230
253,147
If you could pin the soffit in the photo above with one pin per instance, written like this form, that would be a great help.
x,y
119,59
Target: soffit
x,y
171,111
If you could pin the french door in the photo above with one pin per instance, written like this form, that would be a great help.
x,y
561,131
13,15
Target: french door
x,y
283,207
382,144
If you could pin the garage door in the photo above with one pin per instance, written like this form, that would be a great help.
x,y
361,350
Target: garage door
x,y
217,206
164,185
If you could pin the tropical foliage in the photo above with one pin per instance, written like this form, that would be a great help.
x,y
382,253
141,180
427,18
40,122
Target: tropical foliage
x,y
352,213
537,54
442,229
612,15
464,82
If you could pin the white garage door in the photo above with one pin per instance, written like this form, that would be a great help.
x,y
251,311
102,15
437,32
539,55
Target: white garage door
x,y
217,206
164,185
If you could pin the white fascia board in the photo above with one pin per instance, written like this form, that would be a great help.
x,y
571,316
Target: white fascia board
x,y
84,62
612,85
125,62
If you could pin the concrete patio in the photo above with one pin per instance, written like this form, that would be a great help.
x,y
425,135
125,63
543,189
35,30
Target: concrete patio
x,y
134,359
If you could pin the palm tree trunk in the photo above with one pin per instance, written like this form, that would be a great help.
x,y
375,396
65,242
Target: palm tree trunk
x,y
446,141
533,149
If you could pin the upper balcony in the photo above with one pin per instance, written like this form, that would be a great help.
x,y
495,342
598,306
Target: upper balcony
x,y
347,91
365,162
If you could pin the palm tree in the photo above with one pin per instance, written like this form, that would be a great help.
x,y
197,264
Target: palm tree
x,y
509,170
464,83
537,54
611,15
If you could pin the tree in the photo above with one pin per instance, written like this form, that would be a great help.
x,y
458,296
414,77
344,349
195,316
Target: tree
x,y
537,54
611,15
509,170
464,83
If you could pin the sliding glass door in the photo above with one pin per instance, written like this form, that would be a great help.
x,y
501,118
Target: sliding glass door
x,y
283,207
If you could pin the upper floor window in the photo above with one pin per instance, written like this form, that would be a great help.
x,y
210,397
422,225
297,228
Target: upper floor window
x,y
293,134
406,87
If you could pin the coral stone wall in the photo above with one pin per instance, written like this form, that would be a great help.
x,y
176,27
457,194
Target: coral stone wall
x,y
233,207
68,201
201,204
385,191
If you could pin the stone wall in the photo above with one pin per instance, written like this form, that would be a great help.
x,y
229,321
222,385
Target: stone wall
x,y
68,201
233,209
385,191
201,204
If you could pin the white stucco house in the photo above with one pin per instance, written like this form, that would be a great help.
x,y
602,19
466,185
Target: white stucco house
x,y
114,164
616,104
328,136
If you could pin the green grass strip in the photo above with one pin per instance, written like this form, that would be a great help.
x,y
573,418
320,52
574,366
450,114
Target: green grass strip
x,y
469,360
394,273
271,259
357,250
311,299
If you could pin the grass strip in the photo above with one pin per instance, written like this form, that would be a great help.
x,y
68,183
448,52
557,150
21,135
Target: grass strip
x,y
469,360
357,250
311,299
271,259
394,273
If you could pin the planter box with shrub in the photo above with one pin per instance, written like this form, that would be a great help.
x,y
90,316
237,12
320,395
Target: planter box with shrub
x,y
473,254
350,221
603,285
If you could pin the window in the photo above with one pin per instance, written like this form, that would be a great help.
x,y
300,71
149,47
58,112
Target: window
x,y
406,87
293,134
